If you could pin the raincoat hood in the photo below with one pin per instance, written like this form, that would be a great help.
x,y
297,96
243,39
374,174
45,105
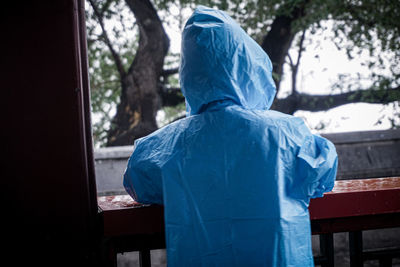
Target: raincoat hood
x,y
220,63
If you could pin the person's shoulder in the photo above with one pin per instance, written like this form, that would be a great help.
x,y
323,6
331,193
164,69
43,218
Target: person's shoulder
x,y
271,118
279,116
162,136
284,125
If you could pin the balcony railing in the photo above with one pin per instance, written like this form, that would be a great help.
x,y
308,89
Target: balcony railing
x,y
353,206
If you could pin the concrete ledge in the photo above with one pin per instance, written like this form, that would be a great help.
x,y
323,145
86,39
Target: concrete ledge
x,y
110,164
362,137
115,152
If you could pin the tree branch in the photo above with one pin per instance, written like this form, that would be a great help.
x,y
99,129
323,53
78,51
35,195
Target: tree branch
x,y
171,96
324,102
290,61
295,67
115,55
169,72
303,36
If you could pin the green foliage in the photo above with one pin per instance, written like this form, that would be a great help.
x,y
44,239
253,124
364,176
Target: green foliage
x,y
253,15
358,26
105,82
105,91
371,26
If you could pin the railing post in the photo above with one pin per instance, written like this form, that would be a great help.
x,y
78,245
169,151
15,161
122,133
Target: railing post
x,y
356,249
327,250
144,258
108,254
385,262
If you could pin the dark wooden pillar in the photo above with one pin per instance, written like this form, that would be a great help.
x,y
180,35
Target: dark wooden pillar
x,y
48,184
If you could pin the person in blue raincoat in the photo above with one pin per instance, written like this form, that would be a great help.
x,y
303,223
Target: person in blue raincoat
x,y
235,178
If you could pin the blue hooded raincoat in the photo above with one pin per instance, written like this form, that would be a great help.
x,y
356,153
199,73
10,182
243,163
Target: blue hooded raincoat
x,y
235,178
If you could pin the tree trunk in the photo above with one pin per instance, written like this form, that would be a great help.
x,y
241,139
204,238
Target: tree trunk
x,y
279,39
140,96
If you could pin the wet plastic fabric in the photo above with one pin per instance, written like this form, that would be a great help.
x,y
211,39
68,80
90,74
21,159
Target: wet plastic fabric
x,y
235,178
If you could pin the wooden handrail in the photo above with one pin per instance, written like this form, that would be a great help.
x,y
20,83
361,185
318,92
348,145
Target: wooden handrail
x,y
350,200
359,197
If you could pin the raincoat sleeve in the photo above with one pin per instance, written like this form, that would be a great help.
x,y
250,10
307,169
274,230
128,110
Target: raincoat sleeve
x,y
142,178
316,165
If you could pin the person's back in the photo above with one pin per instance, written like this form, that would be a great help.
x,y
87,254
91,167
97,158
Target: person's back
x,y
235,178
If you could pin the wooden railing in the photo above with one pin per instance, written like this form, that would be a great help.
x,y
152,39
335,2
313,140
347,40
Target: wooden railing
x,y
352,206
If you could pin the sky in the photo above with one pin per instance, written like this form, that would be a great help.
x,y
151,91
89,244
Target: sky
x,y
316,75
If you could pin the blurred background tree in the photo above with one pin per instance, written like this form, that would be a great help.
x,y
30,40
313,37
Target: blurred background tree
x,y
134,74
